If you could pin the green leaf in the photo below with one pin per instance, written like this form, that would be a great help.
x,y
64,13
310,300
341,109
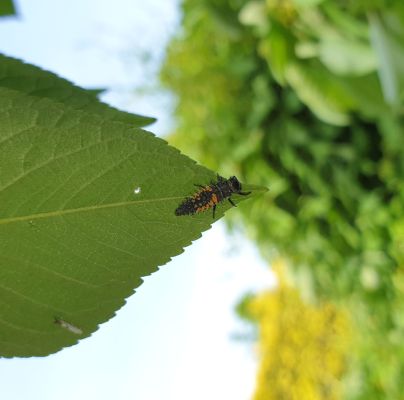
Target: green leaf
x,y
387,36
87,210
346,56
277,49
367,94
307,3
320,91
34,81
254,13
7,8
97,92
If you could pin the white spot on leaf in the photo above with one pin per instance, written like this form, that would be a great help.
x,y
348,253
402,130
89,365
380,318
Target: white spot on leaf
x,y
68,326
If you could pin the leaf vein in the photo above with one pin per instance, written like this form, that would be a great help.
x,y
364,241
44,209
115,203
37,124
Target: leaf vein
x,y
97,207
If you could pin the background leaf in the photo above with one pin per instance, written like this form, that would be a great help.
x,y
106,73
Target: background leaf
x,y
14,74
387,34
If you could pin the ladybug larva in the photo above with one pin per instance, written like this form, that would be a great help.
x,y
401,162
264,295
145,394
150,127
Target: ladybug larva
x,y
210,196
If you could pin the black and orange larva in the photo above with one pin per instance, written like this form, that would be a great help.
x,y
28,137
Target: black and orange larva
x,y
210,196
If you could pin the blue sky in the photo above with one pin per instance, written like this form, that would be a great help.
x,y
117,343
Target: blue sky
x,y
172,338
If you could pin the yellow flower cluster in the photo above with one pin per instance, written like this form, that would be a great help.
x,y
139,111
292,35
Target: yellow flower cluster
x,y
302,347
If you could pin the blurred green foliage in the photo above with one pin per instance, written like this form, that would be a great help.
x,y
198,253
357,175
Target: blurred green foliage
x,y
306,97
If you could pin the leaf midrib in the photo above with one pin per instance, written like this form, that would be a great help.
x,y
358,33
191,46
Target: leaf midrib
x,y
59,213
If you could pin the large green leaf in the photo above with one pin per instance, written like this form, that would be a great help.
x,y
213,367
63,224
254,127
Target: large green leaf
x,y
86,210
